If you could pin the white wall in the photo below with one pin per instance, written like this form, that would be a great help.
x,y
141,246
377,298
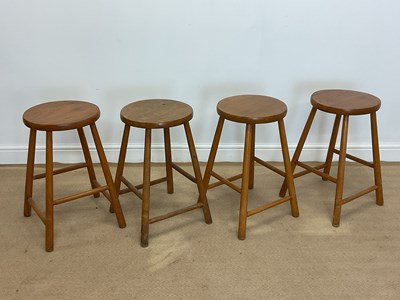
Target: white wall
x,y
198,51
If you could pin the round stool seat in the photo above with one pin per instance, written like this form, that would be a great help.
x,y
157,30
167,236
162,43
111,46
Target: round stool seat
x,y
251,109
345,102
156,113
61,115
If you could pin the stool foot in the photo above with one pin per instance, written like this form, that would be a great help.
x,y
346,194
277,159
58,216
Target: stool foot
x,y
27,212
282,192
144,243
207,216
50,247
293,206
336,216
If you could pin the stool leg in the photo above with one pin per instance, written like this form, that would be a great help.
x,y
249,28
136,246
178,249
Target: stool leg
x,y
288,169
88,160
332,143
144,242
376,160
340,175
299,147
252,155
121,159
168,161
49,225
107,176
245,183
30,165
213,153
197,174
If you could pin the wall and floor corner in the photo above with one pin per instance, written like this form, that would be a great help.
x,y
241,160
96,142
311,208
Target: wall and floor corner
x,y
112,53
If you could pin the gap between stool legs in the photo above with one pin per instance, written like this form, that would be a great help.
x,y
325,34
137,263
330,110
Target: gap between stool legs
x,y
245,182
107,176
340,174
299,147
30,165
288,169
332,143
88,160
49,225
168,161
197,174
376,160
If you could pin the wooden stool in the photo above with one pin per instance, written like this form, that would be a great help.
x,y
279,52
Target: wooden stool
x,y
152,114
342,103
251,110
60,116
